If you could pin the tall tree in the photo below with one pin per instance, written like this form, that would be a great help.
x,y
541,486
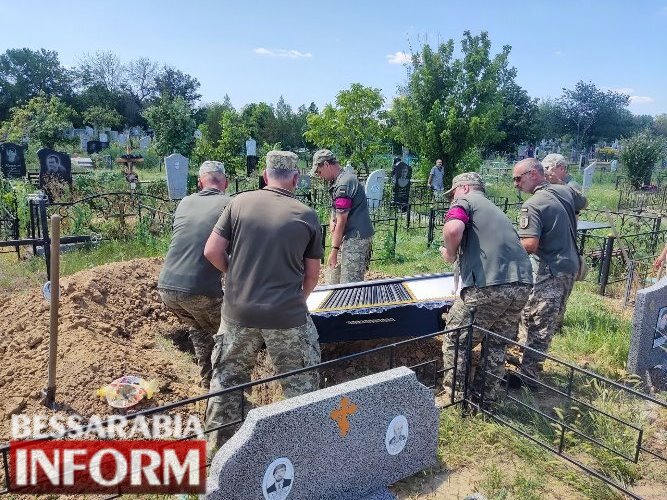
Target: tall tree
x,y
259,120
141,79
588,111
519,117
660,124
171,82
24,73
450,105
42,119
99,117
104,69
352,126
174,126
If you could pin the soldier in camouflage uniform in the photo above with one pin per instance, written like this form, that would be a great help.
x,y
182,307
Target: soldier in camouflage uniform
x,y
546,223
350,223
189,285
495,278
269,244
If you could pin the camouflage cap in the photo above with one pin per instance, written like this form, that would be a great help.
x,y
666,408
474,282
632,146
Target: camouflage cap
x,y
281,160
466,179
211,167
321,155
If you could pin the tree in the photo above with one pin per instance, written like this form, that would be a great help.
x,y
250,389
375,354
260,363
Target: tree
x,y
587,111
519,117
174,126
639,154
42,119
172,83
352,125
99,117
660,125
450,105
104,69
24,73
549,120
260,122
141,79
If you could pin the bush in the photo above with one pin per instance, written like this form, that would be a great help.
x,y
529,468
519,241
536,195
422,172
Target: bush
x,y
471,161
639,154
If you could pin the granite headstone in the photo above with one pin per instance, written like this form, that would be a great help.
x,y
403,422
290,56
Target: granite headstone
x,y
93,147
12,160
375,188
176,166
648,342
54,165
402,176
349,441
588,177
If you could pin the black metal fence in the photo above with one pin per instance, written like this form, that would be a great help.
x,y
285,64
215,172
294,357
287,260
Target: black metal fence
x,y
582,417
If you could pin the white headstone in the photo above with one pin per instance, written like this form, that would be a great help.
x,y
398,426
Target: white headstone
x,y
614,165
375,188
176,166
588,176
144,142
198,134
122,139
104,137
89,132
649,331
83,138
251,147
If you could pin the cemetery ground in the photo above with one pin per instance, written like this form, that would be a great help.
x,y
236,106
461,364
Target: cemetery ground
x,y
113,324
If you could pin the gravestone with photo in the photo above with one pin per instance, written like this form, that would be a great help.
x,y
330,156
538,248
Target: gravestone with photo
x,y
588,177
402,176
648,342
348,441
375,188
12,160
54,165
251,156
176,166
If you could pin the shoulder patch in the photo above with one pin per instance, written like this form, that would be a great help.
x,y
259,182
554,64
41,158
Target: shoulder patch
x,y
523,223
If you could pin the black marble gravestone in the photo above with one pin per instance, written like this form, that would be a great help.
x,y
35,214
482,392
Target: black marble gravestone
x,y
12,160
54,165
96,146
402,173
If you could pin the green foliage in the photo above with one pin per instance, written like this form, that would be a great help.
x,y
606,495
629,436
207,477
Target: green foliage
x,y
639,154
660,124
471,161
352,126
449,105
174,126
99,117
43,119
26,73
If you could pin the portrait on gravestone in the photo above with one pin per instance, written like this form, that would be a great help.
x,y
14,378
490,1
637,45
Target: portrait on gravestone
x,y
402,183
396,435
12,160
54,165
660,336
278,479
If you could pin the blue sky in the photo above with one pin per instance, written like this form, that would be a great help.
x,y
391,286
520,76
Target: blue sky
x,y
310,50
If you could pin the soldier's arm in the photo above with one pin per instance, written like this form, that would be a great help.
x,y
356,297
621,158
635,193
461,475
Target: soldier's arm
x,y
216,251
530,227
311,275
530,244
452,233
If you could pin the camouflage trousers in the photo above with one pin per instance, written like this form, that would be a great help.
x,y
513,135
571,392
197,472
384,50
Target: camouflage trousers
x,y
497,308
540,319
353,258
234,355
202,315
563,305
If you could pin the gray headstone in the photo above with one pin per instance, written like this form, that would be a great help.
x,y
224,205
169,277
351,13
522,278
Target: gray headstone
x,y
122,139
104,137
349,441
90,131
588,177
375,188
349,168
648,342
83,142
144,142
113,136
251,147
614,165
176,166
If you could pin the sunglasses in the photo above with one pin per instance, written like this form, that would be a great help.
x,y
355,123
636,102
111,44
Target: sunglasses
x,y
520,176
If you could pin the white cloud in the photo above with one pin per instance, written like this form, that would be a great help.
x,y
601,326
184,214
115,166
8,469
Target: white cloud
x,y
639,99
558,53
290,53
398,58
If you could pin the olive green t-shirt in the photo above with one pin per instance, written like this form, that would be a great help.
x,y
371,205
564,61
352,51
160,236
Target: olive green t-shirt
x,y
270,234
185,268
359,223
490,250
548,215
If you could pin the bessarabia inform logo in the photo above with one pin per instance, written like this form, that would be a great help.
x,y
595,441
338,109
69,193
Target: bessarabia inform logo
x,y
107,455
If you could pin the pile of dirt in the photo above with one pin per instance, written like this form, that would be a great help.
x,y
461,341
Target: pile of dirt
x,y
113,323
